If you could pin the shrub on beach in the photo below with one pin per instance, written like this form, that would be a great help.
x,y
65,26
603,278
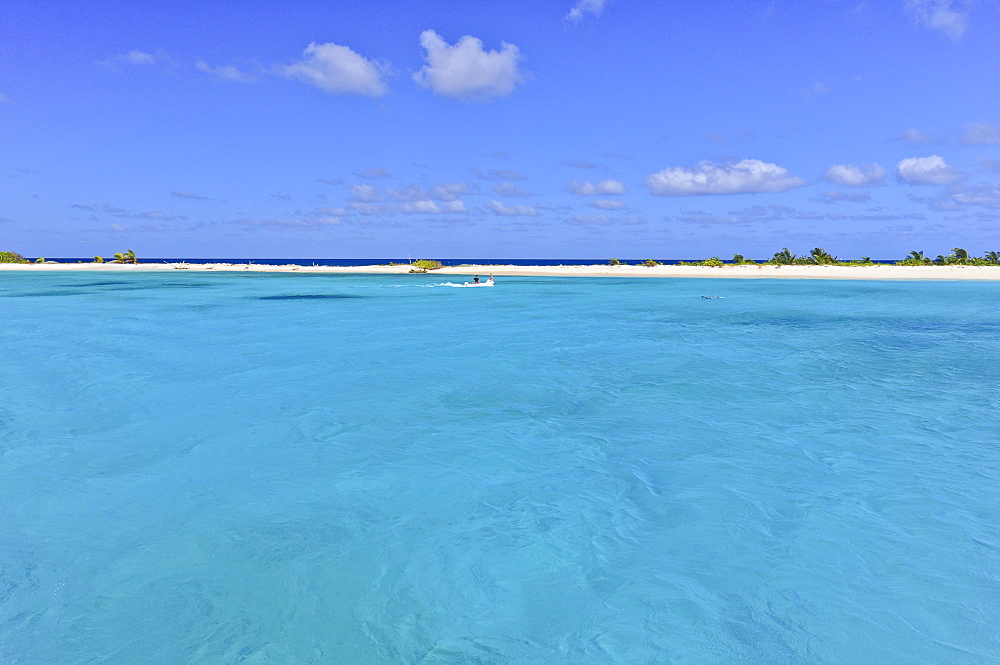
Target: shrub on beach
x,y
98,259
12,257
39,260
649,263
427,264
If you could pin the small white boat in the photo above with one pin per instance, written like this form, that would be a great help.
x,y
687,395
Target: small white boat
x,y
488,282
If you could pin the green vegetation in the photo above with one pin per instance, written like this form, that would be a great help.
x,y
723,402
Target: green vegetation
x,y
427,264
614,262
649,263
39,260
12,257
128,256
98,259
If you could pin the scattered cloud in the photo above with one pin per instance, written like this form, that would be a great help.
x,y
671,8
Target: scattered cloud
x,y
744,177
283,223
927,171
466,71
225,72
499,208
188,195
813,91
134,58
608,204
498,174
603,188
510,189
281,196
373,173
583,7
917,136
741,136
985,194
6,220
843,197
849,175
364,193
331,181
581,164
590,220
989,165
980,133
367,199
338,70
948,16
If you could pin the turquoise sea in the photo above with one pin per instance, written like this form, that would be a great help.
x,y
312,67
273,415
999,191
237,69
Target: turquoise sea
x,y
303,468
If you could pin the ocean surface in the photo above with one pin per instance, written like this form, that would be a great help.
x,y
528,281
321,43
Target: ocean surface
x,y
303,468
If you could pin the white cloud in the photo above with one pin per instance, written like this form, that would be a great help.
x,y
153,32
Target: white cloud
x,y
137,57
364,193
838,197
510,189
582,7
986,195
499,174
466,71
603,188
980,133
916,136
428,206
949,16
446,191
928,171
608,204
849,175
989,165
3,99
134,58
224,72
373,173
744,177
581,164
338,70
499,208
590,220
817,89
188,195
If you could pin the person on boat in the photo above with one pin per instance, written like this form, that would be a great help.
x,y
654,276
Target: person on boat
x,y
475,280
490,280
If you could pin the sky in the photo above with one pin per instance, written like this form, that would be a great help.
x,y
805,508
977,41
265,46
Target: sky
x,y
635,129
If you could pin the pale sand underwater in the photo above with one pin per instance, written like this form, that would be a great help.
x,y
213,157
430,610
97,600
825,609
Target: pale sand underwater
x,y
874,272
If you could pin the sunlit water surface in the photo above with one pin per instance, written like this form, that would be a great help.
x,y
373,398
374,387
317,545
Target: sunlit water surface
x,y
292,468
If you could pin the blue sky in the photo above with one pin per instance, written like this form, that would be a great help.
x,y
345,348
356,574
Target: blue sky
x,y
671,129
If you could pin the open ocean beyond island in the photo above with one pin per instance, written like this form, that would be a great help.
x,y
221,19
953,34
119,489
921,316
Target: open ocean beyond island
x,y
313,468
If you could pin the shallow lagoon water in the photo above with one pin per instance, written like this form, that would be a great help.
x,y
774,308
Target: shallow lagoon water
x,y
256,468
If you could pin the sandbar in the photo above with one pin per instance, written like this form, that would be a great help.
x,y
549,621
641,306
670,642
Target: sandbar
x,y
873,272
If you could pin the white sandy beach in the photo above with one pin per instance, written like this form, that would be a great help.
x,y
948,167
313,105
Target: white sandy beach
x,y
875,272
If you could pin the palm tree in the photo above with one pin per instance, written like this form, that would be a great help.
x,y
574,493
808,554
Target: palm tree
x,y
783,258
820,256
916,256
119,257
959,255
992,257
130,256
